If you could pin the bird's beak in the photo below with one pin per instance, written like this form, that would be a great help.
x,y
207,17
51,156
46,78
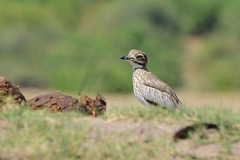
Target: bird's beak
x,y
124,58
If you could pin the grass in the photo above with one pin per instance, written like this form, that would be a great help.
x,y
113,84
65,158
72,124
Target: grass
x,y
28,134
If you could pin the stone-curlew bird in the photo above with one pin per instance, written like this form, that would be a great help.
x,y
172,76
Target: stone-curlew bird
x,y
148,88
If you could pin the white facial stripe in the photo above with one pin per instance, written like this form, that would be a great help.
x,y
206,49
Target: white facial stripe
x,y
135,65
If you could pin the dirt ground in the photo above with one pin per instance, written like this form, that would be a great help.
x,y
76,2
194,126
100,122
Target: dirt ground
x,y
188,98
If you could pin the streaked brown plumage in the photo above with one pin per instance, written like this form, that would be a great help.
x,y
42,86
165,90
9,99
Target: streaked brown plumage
x,y
148,88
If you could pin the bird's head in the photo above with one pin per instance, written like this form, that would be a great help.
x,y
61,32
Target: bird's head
x,y
137,58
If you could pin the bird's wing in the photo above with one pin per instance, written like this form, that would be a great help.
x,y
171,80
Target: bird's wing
x,y
159,92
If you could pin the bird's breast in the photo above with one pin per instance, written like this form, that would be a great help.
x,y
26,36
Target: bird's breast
x,y
137,86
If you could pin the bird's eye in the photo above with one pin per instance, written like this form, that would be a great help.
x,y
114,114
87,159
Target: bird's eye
x,y
140,57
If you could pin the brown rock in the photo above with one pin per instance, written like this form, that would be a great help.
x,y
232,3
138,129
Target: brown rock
x,y
56,101
9,89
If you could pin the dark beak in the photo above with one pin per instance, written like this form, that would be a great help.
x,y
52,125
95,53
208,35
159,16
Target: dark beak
x,y
124,58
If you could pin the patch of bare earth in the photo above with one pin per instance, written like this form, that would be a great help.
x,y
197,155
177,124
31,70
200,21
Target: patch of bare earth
x,y
186,147
150,131
4,126
136,131
236,149
189,98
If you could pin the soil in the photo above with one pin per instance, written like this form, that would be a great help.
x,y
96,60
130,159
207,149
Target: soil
x,y
145,131
150,131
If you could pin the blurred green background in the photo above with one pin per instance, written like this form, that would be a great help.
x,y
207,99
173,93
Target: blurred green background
x,y
75,45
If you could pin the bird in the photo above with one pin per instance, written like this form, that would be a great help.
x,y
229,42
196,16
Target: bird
x,y
148,88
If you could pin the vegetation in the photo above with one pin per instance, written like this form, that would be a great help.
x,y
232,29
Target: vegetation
x,y
75,45
119,134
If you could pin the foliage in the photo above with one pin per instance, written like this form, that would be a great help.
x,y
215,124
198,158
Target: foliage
x,y
75,45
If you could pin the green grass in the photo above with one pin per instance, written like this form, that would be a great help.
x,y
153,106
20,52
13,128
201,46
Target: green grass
x,y
28,134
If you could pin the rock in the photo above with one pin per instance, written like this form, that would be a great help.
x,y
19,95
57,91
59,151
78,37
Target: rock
x,y
56,101
9,89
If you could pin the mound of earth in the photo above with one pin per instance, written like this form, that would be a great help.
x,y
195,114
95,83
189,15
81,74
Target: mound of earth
x,y
9,89
56,101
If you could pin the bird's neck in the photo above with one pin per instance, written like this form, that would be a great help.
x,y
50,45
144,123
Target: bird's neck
x,y
140,67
